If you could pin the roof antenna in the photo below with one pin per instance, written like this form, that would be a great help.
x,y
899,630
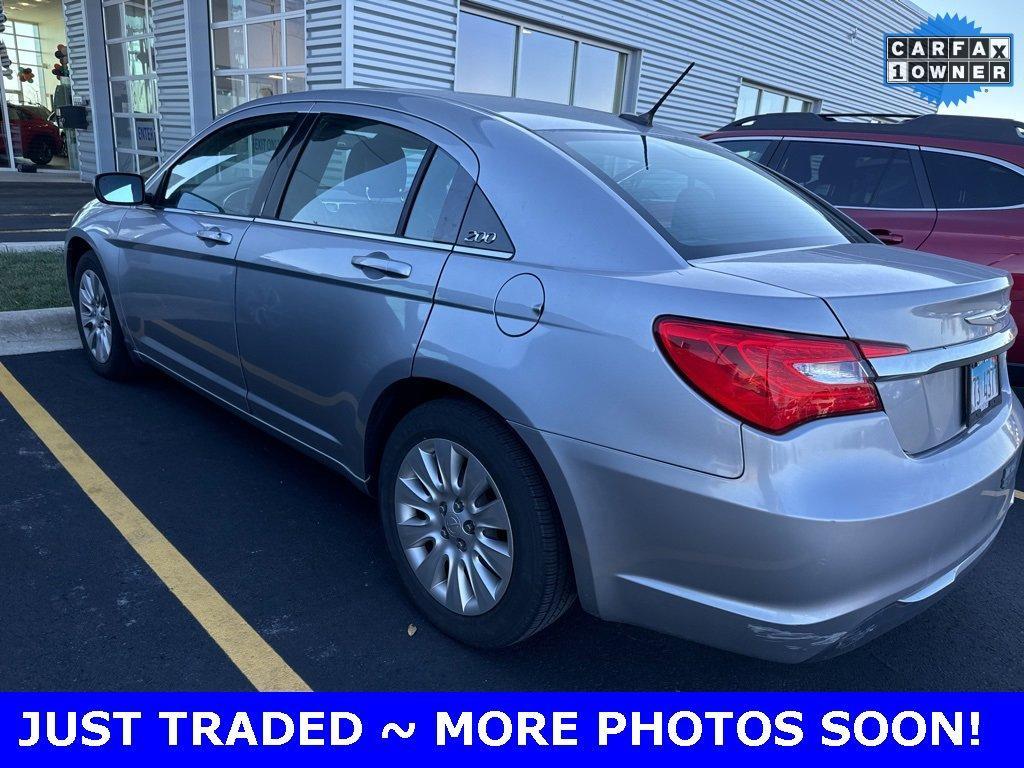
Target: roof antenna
x,y
647,118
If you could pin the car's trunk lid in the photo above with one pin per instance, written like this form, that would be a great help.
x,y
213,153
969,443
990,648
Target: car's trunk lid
x,y
948,312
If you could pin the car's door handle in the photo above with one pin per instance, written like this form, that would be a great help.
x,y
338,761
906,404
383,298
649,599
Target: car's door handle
x,y
379,262
214,235
887,237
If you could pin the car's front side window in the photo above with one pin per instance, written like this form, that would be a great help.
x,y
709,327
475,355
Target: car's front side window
x,y
222,173
354,174
705,201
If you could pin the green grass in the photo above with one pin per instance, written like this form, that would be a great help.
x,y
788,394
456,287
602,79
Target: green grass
x,y
32,280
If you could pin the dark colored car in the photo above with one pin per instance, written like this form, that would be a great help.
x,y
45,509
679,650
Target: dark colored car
x,y
945,184
34,136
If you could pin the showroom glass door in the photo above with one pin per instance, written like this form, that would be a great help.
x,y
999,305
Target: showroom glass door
x,y
6,140
8,74
6,71
128,29
36,83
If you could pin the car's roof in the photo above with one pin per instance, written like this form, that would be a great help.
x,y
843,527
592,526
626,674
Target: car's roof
x,y
532,115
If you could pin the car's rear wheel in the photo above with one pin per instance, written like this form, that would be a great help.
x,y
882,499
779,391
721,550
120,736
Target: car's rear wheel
x,y
471,525
41,152
98,325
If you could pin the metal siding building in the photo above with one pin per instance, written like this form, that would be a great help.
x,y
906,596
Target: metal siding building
x,y
826,54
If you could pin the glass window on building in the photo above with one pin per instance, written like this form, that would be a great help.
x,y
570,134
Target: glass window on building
x,y
23,46
759,100
259,49
25,49
508,59
128,30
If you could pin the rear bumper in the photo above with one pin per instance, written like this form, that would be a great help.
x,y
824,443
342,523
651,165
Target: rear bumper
x,y
831,536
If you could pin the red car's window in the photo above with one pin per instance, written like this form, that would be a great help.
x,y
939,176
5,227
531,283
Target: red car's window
x,y
750,149
958,181
854,175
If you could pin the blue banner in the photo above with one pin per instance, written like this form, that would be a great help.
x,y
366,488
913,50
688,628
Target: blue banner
x,y
504,728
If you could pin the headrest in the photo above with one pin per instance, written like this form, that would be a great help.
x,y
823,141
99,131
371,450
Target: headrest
x,y
830,170
693,210
379,166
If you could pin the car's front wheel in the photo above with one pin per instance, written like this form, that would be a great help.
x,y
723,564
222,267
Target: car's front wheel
x,y
471,525
41,152
98,326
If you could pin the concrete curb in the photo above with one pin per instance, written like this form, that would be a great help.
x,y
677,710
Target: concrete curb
x,y
49,245
38,330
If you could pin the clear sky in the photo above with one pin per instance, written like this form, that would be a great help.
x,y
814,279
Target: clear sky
x,y
993,16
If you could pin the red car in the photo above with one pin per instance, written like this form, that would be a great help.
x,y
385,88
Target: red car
x,y
34,136
945,184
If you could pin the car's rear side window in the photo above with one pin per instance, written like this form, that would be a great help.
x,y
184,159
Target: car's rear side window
x,y
705,201
440,200
853,175
959,181
354,174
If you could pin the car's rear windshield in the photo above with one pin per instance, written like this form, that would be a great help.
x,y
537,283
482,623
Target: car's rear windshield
x,y
705,201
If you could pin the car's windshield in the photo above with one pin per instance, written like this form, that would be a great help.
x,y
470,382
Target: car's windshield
x,y
705,203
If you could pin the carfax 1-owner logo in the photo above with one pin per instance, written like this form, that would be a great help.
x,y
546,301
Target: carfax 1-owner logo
x,y
948,59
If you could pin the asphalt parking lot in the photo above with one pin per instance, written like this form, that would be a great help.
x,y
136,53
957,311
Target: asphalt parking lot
x,y
23,219
297,553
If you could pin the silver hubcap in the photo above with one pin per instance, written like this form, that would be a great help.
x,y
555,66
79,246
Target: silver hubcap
x,y
453,526
94,315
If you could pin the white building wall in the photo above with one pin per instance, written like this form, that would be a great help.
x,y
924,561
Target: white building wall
x,y
829,50
404,43
325,43
78,64
171,47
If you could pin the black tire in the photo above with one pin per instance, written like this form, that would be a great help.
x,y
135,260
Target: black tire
x,y
119,365
41,152
541,587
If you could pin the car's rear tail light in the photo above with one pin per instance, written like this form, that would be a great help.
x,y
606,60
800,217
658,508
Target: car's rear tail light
x,y
770,379
880,349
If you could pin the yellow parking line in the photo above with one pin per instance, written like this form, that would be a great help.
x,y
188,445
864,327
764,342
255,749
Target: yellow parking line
x,y
1018,494
253,656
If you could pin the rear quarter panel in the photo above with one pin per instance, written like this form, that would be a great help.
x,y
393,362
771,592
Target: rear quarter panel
x,y
591,369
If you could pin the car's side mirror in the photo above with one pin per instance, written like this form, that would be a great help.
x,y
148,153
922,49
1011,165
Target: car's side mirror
x,y
120,188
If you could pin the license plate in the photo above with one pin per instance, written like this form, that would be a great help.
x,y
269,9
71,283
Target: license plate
x,y
983,390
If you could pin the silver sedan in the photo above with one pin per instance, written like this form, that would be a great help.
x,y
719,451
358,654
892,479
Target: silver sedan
x,y
572,354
